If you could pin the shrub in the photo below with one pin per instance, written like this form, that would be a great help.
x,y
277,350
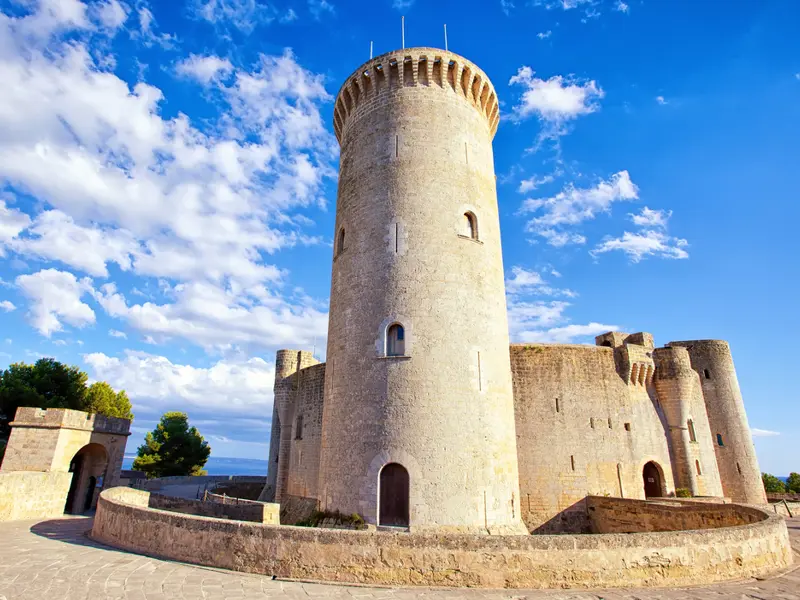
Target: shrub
x,y
683,493
772,485
793,483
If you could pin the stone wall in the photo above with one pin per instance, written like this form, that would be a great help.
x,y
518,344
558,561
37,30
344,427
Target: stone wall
x,y
583,427
609,560
614,515
256,512
33,495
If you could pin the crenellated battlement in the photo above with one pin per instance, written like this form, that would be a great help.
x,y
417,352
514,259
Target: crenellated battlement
x,y
432,68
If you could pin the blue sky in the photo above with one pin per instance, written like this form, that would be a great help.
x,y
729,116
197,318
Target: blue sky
x,y
168,180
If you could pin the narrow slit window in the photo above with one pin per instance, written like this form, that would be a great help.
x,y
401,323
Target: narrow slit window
x,y
738,468
298,433
396,237
692,436
697,466
396,146
627,426
395,340
572,462
719,440
707,373
558,407
340,242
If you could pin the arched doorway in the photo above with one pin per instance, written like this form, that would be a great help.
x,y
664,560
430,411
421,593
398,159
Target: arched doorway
x,y
87,467
394,487
652,480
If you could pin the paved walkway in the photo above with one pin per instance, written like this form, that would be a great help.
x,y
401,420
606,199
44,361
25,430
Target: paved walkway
x,y
54,560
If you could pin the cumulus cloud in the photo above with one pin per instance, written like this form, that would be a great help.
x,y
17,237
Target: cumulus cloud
x,y
651,240
543,35
229,387
201,206
556,100
524,281
528,185
112,14
7,306
645,243
573,205
55,298
763,432
117,334
541,321
148,32
621,7
651,218
204,69
661,100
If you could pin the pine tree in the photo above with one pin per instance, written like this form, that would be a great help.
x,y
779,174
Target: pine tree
x,y
172,449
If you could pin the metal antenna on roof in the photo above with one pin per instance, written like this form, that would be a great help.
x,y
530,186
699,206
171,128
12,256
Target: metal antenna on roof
x,y
370,50
403,28
445,38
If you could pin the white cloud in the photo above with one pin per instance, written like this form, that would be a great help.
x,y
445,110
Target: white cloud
x,y
112,14
621,7
661,100
12,223
7,306
245,15
555,100
117,334
506,6
318,7
797,76
543,35
204,69
288,16
402,4
55,297
148,33
645,243
567,334
542,322
229,387
651,218
55,236
528,185
523,281
217,317
573,206
763,432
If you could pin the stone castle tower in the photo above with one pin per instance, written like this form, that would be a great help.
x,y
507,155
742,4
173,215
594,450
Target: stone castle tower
x,y
424,416
418,395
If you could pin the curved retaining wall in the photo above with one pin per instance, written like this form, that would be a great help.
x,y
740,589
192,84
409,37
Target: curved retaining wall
x,y
547,561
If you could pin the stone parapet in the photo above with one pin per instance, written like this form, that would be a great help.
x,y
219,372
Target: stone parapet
x,y
63,418
674,558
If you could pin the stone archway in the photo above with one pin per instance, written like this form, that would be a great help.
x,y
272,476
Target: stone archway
x,y
88,468
653,480
394,496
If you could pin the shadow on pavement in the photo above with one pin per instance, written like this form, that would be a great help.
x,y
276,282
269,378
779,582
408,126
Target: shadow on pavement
x,y
71,530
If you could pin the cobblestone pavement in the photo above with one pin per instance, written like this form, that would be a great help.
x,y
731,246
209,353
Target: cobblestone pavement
x,y
53,560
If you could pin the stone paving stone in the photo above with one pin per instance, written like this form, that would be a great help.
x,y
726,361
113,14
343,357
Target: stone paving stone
x,y
54,560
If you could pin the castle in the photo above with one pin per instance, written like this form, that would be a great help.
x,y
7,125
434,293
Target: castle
x,y
424,415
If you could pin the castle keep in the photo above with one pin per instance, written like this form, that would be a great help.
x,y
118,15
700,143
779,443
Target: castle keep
x,y
425,416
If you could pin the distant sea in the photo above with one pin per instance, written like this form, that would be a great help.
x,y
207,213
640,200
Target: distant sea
x,y
223,465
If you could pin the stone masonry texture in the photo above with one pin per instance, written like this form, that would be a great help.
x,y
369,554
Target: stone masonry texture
x,y
488,432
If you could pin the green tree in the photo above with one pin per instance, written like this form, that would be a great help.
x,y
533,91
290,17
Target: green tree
x,y
50,384
172,448
44,384
793,483
102,399
772,485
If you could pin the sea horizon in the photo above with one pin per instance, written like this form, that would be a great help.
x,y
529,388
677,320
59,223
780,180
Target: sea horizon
x,y
222,465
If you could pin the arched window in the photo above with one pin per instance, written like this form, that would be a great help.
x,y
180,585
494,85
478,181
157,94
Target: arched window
x,y
697,465
340,242
470,226
692,436
395,340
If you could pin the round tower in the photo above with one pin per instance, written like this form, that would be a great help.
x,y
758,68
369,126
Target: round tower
x,y
694,464
418,423
733,442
